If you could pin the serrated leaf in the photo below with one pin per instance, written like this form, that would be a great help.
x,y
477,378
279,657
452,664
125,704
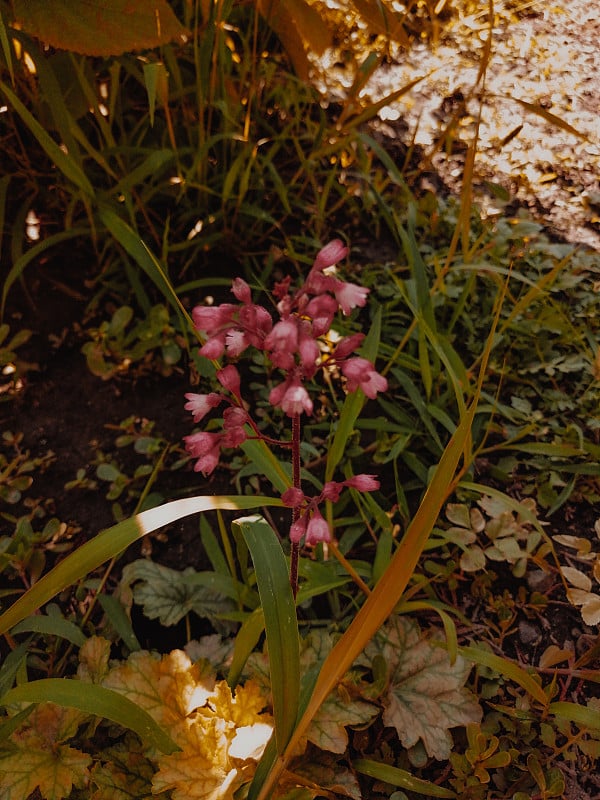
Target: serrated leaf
x,y
328,728
168,687
167,594
40,760
328,774
124,773
426,695
99,27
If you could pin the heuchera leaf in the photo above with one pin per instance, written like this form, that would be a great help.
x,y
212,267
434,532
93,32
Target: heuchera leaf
x,y
168,595
124,774
40,760
221,734
99,27
426,695
328,728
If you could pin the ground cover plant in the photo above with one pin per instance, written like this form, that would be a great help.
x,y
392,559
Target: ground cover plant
x,y
387,582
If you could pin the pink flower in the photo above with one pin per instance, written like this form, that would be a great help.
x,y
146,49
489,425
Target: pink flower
x,y
317,529
298,529
350,295
348,345
206,448
360,373
330,255
284,336
321,310
363,483
292,497
210,318
229,378
201,404
292,397
214,347
241,290
234,419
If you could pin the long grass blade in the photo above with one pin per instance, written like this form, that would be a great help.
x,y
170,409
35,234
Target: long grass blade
x,y
279,609
65,163
93,699
112,541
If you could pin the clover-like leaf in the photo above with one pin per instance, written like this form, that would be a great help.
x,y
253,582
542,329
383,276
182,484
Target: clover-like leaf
x,y
426,695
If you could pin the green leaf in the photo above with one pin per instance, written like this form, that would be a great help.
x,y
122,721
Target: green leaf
x,y
51,626
400,777
281,627
93,699
65,163
353,403
328,728
168,595
99,27
426,695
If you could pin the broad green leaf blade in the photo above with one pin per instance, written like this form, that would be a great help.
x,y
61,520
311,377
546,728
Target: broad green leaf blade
x,y
143,256
353,403
65,163
99,27
51,626
400,777
281,627
112,541
573,712
93,699
270,466
507,668
119,621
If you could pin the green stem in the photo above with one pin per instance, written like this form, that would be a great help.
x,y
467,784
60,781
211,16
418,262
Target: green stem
x,y
295,552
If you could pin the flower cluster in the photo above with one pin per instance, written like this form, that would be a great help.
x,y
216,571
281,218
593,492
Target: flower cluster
x,y
292,343
310,522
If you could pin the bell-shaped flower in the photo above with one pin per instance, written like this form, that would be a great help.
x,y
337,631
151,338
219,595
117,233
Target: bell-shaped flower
x,y
201,404
209,319
360,373
291,397
284,336
241,291
347,345
229,378
363,483
298,529
329,255
292,497
214,347
234,419
317,529
321,309
205,447
350,295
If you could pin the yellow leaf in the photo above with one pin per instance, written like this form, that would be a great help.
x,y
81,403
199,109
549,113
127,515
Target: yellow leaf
x,y
38,760
93,659
169,688
203,770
